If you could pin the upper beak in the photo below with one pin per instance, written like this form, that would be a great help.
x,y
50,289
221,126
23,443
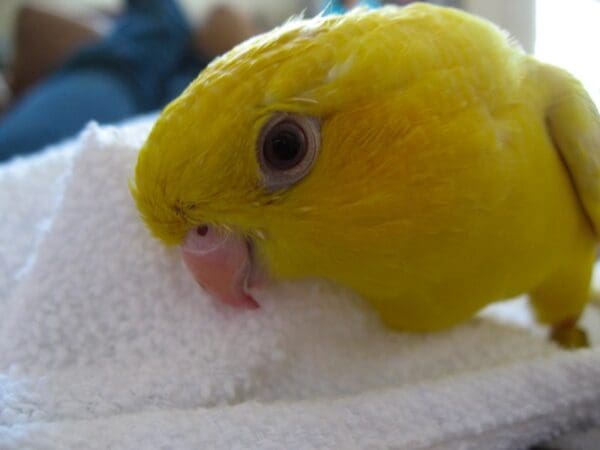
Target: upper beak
x,y
221,263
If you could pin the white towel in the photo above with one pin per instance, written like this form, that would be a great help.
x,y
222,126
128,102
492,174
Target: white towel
x,y
106,342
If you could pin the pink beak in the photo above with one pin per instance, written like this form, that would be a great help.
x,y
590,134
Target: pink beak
x,y
221,263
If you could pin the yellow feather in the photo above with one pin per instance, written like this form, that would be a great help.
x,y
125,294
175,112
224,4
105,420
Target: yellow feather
x,y
438,188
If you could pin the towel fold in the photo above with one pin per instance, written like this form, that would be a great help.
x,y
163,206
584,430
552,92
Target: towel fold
x,y
106,342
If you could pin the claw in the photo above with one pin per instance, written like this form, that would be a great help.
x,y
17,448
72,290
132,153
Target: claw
x,y
569,335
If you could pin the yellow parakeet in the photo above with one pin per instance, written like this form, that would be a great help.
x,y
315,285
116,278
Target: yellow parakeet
x,y
415,155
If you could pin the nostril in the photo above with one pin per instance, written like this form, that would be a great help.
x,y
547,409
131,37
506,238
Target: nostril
x,y
202,230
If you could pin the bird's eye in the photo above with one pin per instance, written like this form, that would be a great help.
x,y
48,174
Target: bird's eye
x,y
287,148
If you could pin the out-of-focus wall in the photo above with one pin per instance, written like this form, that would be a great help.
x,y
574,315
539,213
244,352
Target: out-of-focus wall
x,y
568,36
515,16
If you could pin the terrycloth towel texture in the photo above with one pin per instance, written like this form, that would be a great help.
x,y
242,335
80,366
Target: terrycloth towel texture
x,y
106,342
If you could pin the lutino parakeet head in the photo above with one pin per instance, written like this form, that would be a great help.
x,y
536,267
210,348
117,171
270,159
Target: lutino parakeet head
x,y
306,150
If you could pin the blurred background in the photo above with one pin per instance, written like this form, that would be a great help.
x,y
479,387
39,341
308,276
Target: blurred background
x,y
37,38
516,15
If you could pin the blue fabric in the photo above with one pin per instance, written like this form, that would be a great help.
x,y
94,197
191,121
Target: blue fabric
x,y
59,107
144,49
141,65
337,7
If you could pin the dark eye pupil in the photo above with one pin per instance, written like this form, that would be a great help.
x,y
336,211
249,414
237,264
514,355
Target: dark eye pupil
x,y
285,146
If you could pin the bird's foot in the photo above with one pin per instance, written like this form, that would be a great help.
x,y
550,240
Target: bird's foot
x,y
569,335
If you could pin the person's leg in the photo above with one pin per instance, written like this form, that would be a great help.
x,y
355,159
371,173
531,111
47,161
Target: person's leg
x,y
144,49
43,41
59,107
223,28
117,77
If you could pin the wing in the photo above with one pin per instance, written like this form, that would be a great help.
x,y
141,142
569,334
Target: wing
x,y
574,125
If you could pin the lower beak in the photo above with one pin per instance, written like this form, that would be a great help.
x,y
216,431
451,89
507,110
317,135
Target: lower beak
x,y
221,263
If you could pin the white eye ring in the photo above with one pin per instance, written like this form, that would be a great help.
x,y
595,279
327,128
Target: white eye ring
x,y
288,146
